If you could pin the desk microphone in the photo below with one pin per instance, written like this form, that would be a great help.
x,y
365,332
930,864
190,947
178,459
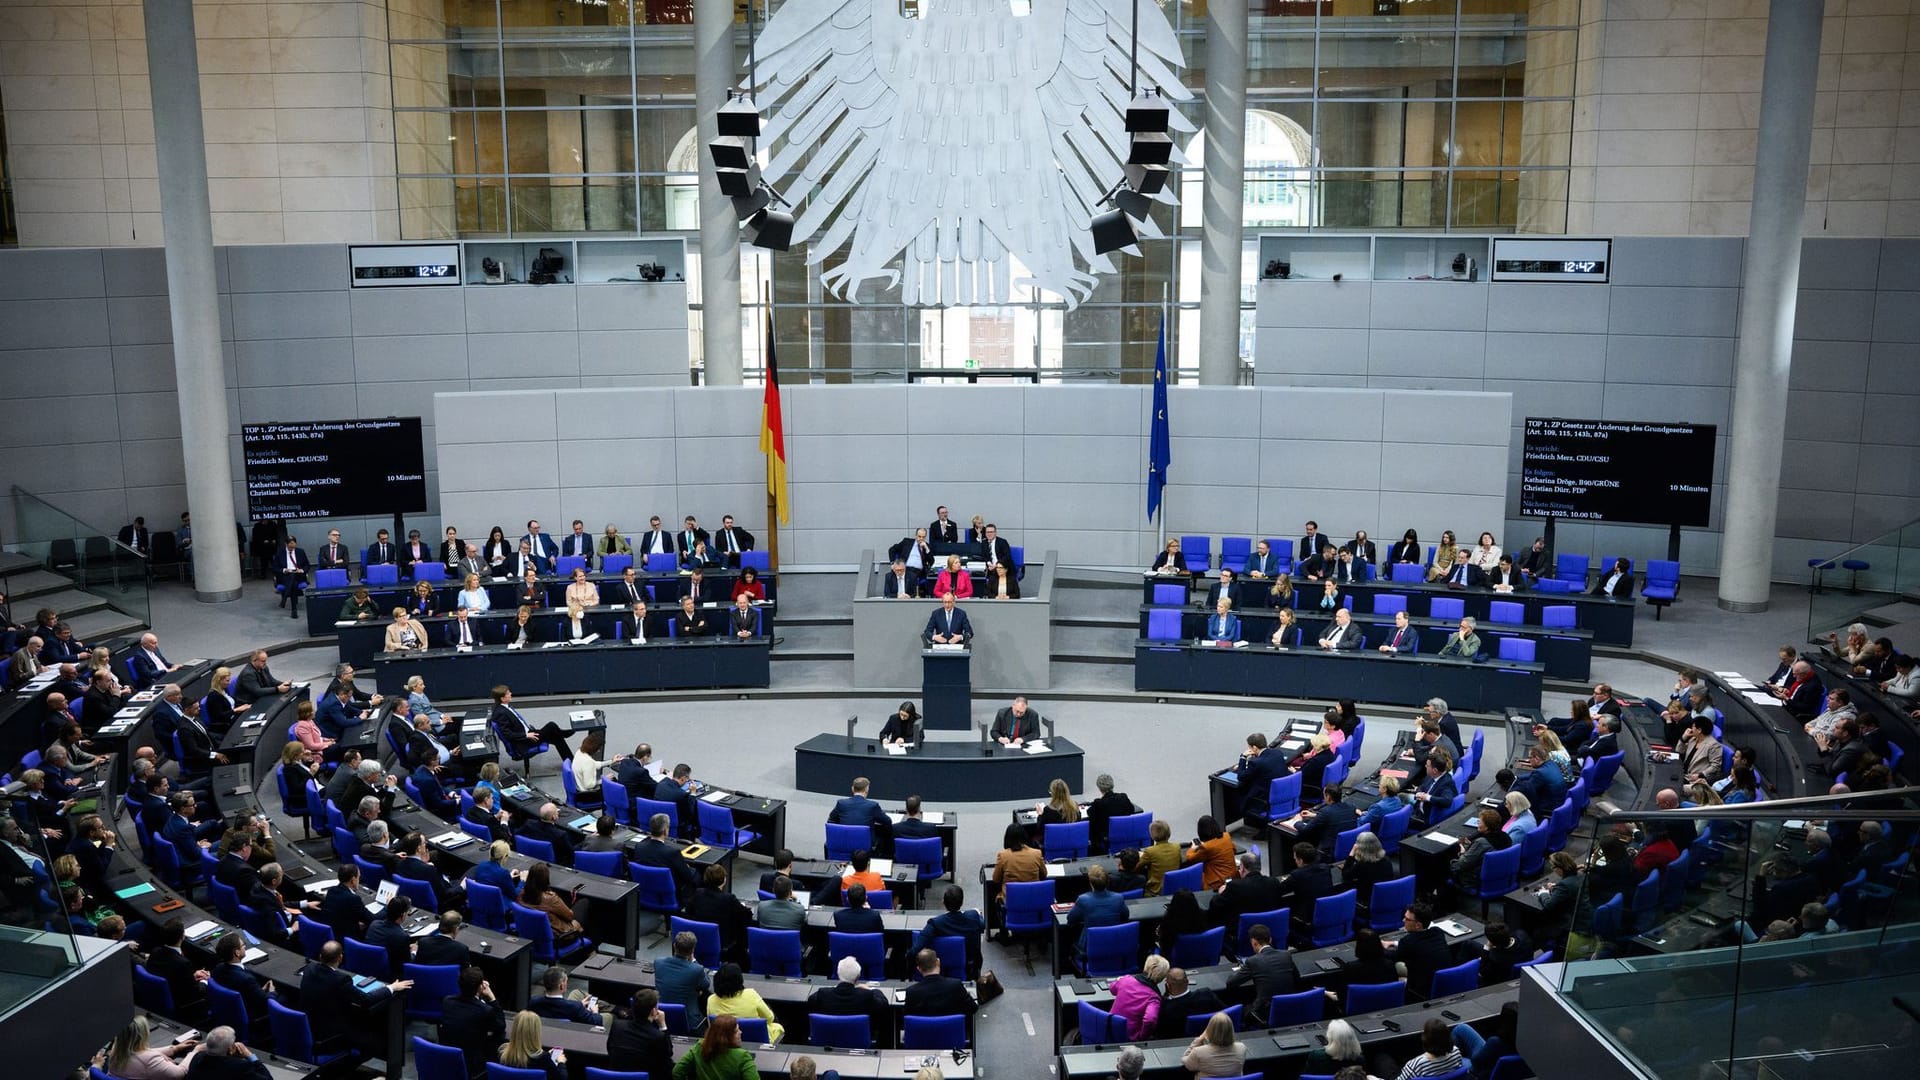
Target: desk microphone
x,y
986,745
851,720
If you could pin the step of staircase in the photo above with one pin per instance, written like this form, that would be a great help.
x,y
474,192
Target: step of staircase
x,y
13,562
68,602
33,582
102,624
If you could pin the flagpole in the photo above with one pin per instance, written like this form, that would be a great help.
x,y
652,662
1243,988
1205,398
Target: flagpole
x,y
1162,546
773,509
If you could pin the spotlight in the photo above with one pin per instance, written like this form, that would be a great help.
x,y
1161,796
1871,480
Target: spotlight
x,y
770,229
1147,179
1113,232
730,152
738,118
1150,148
745,206
735,183
1148,112
1132,203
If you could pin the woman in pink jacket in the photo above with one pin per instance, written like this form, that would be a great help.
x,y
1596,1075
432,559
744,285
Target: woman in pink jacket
x,y
1136,998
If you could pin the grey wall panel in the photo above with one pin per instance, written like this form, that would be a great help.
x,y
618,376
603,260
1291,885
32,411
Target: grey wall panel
x,y
1899,264
378,312
1677,260
721,411
632,306
409,359
873,410
1686,361
1214,509
843,459
1819,415
1645,401
1680,312
1563,357
152,463
31,373
54,274
543,382
707,502
1450,470
626,352
1447,354
1830,365
1811,464
275,315
633,382
1212,412
507,309
288,268
1429,305
1471,418
1090,507
522,356
1547,308
1896,317
1290,462
1326,304
54,324
997,501
295,362
1092,459
137,320
400,399
1324,412
1466,515
1333,352
625,506
1834,315
1537,397
1237,462
1842,262
139,271
1808,514
1888,470
1875,515
508,464
593,463
590,415
471,418
850,509
1284,512
736,458
947,459
1893,367
149,416
262,403
1890,418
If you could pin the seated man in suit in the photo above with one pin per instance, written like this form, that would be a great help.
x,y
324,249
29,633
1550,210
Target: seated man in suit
x,y
657,850
1226,588
442,946
899,582
677,788
1331,818
634,772
1251,891
949,625
848,998
857,808
1615,581
937,994
1506,578
1262,563
1462,574
333,553
1317,565
1016,725
1606,741
1436,790
484,814
1423,949
856,917
1341,634
554,1003
1182,1003
578,543
138,537
1403,639
416,864
1801,692
1259,766
731,540
1269,969
692,622
472,1022
1310,880
547,827
1223,626
1464,643
149,666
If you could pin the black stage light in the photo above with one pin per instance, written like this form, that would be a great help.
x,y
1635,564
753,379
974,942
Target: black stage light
x,y
770,229
1148,112
730,152
1147,179
739,118
1113,232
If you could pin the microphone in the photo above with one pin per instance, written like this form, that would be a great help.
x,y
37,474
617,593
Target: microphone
x,y
851,720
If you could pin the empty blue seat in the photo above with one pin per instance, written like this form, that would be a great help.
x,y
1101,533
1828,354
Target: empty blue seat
x,y
935,1032
662,563
1163,624
1662,585
1059,841
1333,919
1198,950
1558,616
1506,611
1097,1025
1199,552
1388,603
924,852
1389,901
1126,831
293,1037
1304,1007
1407,572
840,1032
330,579
1447,607
1169,595
1187,877
1372,997
1283,798
869,949
773,952
1517,649
1112,951
381,574
844,840
1458,979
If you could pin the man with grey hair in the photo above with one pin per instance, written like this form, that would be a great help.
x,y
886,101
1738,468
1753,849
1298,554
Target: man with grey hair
x,y
1463,643
377,847
657,850
547,829
25,662
224,1057
1437,711
368,782
848,998
1131,1062
1109,805
1251,892
148,664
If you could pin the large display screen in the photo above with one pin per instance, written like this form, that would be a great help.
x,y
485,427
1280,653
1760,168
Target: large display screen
x,y
1643,471
335,468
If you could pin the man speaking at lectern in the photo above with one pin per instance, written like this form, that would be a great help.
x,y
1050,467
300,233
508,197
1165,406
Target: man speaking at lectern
x,y
1016,724
948,625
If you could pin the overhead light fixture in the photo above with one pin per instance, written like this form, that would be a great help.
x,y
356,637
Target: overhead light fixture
x,y
1147,179
1113,232
1150,148
1132,203
770,229
735,183
739,118
745,206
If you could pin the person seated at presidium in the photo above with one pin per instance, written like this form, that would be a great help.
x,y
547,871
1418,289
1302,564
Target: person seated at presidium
x,y
742,621
1617,581
403,634
474,596
1283,635
1341,635
581,592
954,579
1170,562
748,584
903,727
1002,583
1223,626
1464,642
422,602
1444,557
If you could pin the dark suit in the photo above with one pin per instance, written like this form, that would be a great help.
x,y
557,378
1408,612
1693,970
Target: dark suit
x,y
256,683
940,995
731,542
1622,588
694,625
474,1026
848,999
1442,791
495,828
948,624
857,810
685,539
441,949
860,920
903,583
1464,574
1600,746
451,635
738,621
1327,823
996,550
669,790
636,1045
253,992
333,557
1175,1011
651,852
1403,640
344,911
557,835
381,552
579,545
227,1067
1513,578
296,578
147,669
624,593
1272,974
1423,952
1305,885
1008,726
1344,640
725,911
1102,810
449,894
1219,589
634,777
171,965
1268,565
1257,775
645,547
563,1008
947,532
1243,896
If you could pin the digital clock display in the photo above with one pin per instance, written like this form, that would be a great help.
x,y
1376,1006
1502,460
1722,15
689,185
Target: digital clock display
x,y
390,273
394,265
1563,259
1554,267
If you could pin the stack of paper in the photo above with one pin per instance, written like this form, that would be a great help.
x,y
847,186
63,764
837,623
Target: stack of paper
x,y
1036,748
1760,697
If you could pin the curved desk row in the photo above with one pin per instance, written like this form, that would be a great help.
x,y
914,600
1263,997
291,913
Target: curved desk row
x,y
936,771
362,640
323,605
1563,654
1895,723
1610,620
1311,672
602,667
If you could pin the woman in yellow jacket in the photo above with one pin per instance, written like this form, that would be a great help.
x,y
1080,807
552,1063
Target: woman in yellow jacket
x,y
731,997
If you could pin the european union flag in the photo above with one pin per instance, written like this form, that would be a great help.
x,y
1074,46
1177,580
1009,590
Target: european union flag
x,y
1161,454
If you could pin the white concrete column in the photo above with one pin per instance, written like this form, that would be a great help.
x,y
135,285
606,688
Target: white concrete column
x,y
200,372
1770,286
715,72
1222,194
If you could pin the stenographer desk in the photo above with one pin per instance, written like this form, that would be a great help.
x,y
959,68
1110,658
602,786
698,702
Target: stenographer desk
x,y
663,591
1312,672
1564,654
601,667
942,771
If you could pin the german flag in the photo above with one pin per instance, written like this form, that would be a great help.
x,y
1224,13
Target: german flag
x,y
773,441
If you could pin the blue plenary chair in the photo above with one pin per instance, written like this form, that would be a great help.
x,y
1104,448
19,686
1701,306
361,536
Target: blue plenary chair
x,y
1406,573
840,1032
1234,552
1571,569
1459,979
1275,921
431,983
662,563
775,952
567,564
1029,908
1199,552
1065,841
532,924
1283,797
1199,950
226,1006
1198,1023
923,852
869,949
644,809
717,827
533,849
1506,611
1388,603
429,570
1169,595
1559,616
1163,624
1306,1007
1112,951
605,863
488,904
1097,1025
1447,607
1499,875
330,579
1389,900
369,960
1187,877
761,562
152,992
380,574
1333,919
615,565
1662,585
293,1037
706,936
844,840
1372,997
435,1062
1519,650
933,1033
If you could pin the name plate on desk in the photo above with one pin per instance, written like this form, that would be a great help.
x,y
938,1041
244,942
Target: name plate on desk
x,y
948,647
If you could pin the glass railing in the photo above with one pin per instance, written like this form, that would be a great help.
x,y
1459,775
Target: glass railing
x,y
86,554
1774,945
1888,567
35,933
